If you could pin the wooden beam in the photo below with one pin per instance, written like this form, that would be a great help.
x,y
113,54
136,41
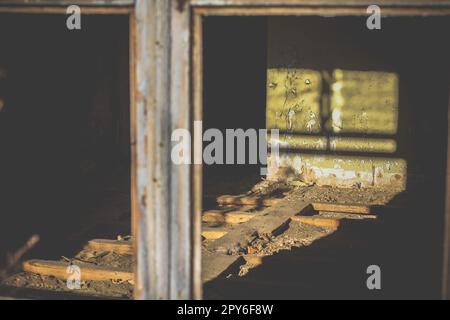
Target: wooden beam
x,y
88,273
239,200
346,215
247,200
168,224
315,10
104,3
62,10
213,233
327,223
196,25
232,217
269,222
334,207
152,184
120,247
186,181
324,3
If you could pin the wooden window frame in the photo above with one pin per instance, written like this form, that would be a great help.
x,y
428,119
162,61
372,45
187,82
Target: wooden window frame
x,y
166,94
324,8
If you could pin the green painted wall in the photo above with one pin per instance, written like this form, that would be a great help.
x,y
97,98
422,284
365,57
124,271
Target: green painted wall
x,y
337,126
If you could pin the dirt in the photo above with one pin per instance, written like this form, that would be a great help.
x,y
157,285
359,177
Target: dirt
x,y
94,289
296,236
366,196
106,259
301,235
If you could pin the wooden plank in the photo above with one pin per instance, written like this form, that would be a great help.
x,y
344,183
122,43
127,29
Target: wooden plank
x,y
135,206
321,11
254,259
153,240
327,223
343,3
314,10
114,10
197,114
346,215
213,233
120,247
232,217
239,200
334,207
268,223
88,273
246,200
104,3
271,202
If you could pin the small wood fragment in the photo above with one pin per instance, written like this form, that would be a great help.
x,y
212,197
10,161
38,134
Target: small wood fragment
x,y
254,259
120,247
233,217
318,221
239,200
213,233
59,270
346,215
333,207
245,200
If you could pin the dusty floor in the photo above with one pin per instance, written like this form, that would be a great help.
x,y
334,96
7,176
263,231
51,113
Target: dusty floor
x,y
108,217
94,289
367,196
297,235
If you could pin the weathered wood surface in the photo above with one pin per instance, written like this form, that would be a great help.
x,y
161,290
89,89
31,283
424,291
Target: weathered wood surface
x,y
239,200
333,207
346,215
318,221
264,3
232,217
324,11
86,10
69,2
213,233
119,247
88,272
247,200
267,223
152,120
168,235
366,3
196,25
185,271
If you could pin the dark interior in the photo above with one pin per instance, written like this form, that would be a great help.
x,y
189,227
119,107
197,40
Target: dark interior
x,y
64,132
235,57
407,243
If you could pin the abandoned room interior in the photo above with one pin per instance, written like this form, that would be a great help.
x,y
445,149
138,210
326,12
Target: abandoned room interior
x,y
65,134
359,124
360,182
